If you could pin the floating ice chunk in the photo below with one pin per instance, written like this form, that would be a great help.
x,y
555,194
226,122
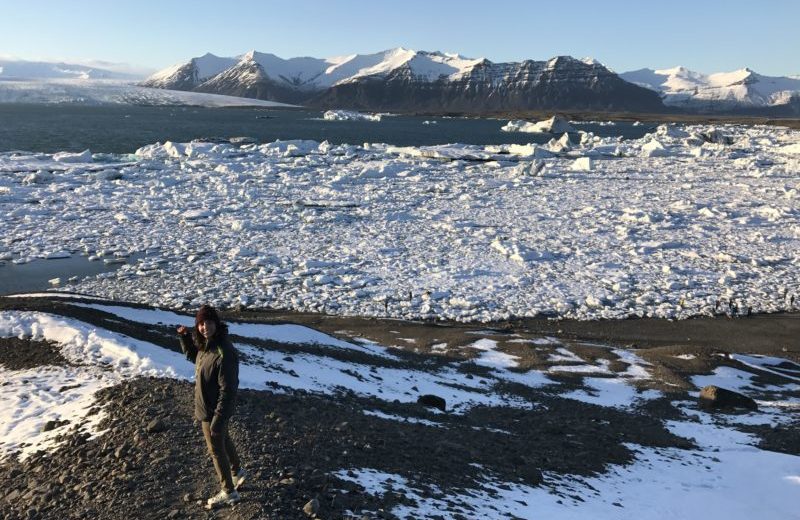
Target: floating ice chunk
x,y
554,125
518,252
239,225
195,214
715,135
529,150
108,175
173,149
532,168
57,254
792,149
654,148
671,131
67,157
587,138
563,144
383,170
583,164
348,115
292,148
700,152
240,252
39,177
200,149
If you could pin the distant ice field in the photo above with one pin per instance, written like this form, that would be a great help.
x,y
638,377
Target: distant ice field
x,y
682,222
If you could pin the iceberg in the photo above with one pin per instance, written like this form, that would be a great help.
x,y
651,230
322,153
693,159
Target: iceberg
x,y
554,125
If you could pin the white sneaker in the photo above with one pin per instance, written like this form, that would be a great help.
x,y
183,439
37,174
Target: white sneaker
x,y
223,498
238,478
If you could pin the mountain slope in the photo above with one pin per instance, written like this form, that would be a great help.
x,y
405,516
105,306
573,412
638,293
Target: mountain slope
x,y
561,82
186,76
740,89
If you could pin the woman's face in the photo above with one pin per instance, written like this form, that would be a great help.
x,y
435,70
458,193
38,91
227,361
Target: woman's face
x,y
207,328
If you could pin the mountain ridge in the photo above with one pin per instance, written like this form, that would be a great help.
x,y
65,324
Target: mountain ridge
x,y
740,89
404,79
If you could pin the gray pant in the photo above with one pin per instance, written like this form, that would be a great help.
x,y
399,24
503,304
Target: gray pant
x,y
223,454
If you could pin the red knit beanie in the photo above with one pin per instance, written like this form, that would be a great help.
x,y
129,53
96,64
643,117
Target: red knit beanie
x,y
207,312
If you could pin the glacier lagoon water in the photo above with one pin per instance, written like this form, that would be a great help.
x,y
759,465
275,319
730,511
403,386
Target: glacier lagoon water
x,y
124,128
35,276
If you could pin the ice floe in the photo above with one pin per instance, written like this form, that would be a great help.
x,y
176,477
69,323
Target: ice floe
x,y
554,125
600,228
349,115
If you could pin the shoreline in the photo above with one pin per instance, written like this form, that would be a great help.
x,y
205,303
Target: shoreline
x,y
764,333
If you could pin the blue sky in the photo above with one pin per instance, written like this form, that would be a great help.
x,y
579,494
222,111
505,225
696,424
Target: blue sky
x,y
707,36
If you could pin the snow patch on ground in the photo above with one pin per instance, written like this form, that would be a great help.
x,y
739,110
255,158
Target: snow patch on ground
x,y
727,474
726,481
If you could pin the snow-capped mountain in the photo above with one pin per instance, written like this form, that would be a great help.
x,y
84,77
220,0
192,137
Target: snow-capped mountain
x,y
27,70
741,88
403,79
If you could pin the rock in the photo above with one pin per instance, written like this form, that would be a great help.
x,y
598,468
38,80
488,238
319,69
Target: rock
x,y
50,425
530,474
311,507
173,514
156,425
715,398
432,401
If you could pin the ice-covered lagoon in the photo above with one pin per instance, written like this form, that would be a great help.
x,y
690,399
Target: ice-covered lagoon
x,y
666,225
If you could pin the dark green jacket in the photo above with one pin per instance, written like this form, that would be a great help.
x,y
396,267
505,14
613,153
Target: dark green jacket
x,y
216,377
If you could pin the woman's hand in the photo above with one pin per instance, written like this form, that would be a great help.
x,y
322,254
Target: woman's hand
x,y
182,330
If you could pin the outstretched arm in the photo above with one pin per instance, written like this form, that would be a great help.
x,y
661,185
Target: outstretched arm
x,y
187,343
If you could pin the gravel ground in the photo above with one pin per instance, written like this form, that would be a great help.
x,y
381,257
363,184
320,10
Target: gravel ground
x,y
151,461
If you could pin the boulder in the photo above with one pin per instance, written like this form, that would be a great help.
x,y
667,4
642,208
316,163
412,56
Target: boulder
x,y
432,401
156,425
716,398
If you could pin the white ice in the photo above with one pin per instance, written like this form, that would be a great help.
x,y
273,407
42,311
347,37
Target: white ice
x,y
473,233
115,92
349,115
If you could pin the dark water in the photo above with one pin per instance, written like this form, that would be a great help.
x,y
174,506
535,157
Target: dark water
x,y
123,128
34,276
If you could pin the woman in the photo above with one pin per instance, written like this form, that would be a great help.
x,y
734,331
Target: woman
x,y
216,381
